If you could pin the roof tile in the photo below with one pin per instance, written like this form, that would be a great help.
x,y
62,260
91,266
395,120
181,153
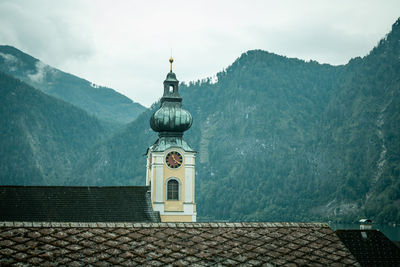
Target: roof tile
x,y
75,255
6,243
89,260
103,264
98,231
43,238
167,259
35,260
230,262
281,261
58,243
102,255
254,262
113,251
76,264
7,251
116,261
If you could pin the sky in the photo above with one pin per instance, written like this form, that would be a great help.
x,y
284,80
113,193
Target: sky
x,y
125,45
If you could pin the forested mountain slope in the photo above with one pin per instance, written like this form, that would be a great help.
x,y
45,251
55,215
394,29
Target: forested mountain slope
x,y
282,139
362,134
102,102
41,137
120,160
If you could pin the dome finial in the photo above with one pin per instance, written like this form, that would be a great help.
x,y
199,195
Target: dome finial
x,y
171,60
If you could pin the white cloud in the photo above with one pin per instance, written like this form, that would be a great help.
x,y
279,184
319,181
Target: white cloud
x,y
9,59
126,44
45,30
40,75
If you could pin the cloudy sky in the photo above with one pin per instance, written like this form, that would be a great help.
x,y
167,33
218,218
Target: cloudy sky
x,y
126,45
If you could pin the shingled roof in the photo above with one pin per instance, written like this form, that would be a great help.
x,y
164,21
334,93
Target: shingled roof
x,y
76,204
194,244
371,247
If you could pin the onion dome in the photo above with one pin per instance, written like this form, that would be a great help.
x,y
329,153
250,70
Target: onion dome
x,y
171,119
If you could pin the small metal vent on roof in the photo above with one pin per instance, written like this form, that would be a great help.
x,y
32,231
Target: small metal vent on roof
x,y
364,235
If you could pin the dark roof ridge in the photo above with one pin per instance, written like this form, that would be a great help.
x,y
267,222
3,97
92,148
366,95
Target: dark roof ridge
x,y
169,225
76,204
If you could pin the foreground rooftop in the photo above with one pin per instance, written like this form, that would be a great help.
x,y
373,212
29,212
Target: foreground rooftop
x,y
194,244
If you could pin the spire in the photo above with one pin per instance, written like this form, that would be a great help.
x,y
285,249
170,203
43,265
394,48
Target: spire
x,y
171,60
171,119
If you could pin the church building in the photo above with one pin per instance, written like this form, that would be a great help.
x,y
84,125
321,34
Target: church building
x,y
170,160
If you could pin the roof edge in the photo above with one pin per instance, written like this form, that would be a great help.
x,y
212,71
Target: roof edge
x,y
164,225
73,186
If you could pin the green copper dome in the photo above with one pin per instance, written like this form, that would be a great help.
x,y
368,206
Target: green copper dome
x,y
171,119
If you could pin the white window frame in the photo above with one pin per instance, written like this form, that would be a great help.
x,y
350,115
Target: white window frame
x,y
179,188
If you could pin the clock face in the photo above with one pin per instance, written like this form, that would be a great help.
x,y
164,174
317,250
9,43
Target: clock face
x,y
174,159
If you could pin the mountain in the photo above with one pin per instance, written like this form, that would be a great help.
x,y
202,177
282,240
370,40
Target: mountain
x,y
278,139
41,137
362,131
102,102
120,160
281,139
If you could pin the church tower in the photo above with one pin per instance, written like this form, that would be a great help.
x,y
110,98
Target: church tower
x,y
170,160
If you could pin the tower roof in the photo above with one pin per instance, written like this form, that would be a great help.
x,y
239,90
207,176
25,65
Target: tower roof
x,y
171,119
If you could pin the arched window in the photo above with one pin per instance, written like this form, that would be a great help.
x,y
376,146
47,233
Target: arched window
x,y
172,190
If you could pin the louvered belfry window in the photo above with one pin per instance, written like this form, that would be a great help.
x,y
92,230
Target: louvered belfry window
x,y
173,190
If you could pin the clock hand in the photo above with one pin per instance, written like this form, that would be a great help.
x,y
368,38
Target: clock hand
x,y
173,158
